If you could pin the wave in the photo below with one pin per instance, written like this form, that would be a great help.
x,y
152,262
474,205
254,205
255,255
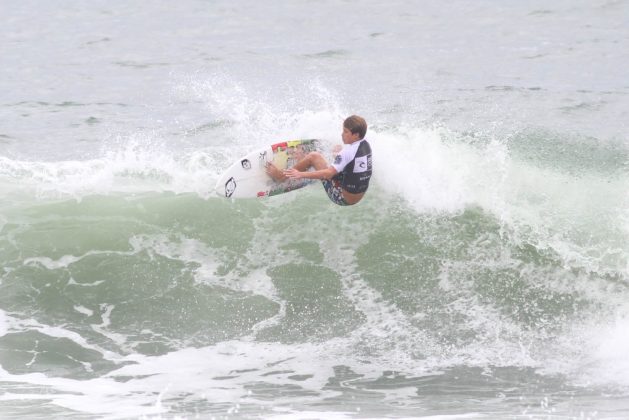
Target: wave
x,y
554,191
473,250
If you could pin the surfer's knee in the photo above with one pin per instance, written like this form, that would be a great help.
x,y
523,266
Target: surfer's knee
x,y
314,155
317,160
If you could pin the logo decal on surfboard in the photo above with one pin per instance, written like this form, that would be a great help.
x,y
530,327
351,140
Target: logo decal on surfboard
x,y
230,187
262,158
245,164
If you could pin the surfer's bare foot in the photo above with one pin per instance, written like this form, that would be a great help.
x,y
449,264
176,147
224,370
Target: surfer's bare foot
x,y
273,172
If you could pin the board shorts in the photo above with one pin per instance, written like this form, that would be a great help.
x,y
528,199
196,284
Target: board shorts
x,y
334,191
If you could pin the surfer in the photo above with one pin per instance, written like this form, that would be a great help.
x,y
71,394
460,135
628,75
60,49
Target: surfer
x,y
347,178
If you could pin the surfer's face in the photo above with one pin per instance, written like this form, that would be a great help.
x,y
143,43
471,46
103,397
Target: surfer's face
x,y
348,136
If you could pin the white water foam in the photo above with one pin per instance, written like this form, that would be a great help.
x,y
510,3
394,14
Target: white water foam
x,y
18,325
386,328
220,374
605,363
415,164
4,323
190,250
435,170
143,163
66,260
133,169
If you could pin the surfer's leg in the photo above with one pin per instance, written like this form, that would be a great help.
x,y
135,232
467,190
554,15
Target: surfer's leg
x,y
312,160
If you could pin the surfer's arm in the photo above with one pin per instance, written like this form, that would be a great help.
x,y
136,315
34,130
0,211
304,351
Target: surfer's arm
x,y
326,173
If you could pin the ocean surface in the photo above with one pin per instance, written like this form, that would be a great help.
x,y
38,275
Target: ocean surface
x,y
485,275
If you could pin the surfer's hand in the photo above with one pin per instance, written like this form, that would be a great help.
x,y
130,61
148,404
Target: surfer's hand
x,y
293,173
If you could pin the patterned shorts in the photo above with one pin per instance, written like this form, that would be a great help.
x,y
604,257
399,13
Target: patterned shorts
x,y
334,191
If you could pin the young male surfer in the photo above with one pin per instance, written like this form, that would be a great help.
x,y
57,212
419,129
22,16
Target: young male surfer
x,y
346,180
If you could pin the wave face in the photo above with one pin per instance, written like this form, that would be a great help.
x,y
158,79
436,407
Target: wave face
x,y
484,275
469,260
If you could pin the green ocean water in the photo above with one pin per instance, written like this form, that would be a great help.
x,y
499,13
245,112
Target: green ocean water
x,y
463,303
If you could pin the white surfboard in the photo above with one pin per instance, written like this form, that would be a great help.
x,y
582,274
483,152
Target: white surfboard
x,y
247,177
